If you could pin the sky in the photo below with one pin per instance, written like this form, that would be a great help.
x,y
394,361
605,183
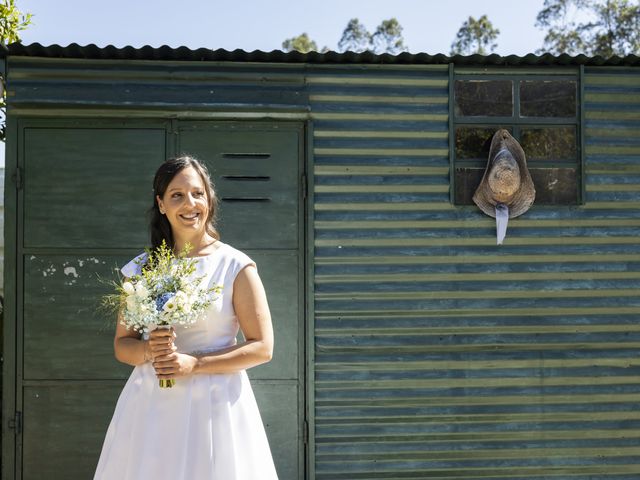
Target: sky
x,y
429,26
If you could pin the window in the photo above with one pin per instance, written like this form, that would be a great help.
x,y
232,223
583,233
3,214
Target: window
x,y
540,111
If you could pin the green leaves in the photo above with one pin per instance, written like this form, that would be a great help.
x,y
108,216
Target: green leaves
x,y
12,21
302,43
590,27
475,37
388,38
356,38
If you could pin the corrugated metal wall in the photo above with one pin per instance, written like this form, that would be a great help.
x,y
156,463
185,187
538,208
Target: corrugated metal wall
x,y
439,354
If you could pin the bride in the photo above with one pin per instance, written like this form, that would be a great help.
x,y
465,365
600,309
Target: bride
x,y
208,425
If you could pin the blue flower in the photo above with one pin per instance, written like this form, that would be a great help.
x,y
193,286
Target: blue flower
x,y
162,299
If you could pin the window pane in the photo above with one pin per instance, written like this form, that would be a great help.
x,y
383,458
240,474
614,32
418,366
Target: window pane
x,y
548,98
474,142
555,186
483,98
553,143
466,182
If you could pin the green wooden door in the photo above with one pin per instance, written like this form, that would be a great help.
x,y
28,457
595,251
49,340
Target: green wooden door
x,y
80,214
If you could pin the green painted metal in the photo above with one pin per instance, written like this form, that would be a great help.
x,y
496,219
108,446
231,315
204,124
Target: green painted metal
x,y
11,291
310,414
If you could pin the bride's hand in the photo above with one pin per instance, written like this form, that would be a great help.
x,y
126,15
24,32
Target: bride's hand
x,y
161,342
174,365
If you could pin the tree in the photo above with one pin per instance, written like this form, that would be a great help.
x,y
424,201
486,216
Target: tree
x,y
616,30
608,27
388,38
355,37
475,36
12,21
302,43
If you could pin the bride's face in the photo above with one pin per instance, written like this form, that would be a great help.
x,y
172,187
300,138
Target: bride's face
x,y
185,202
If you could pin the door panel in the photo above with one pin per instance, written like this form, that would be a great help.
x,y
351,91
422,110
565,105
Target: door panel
x,y
89,187
63,315
64,426
278,271
256,175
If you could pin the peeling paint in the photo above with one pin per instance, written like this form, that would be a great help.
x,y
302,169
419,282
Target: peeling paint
x,y
70,271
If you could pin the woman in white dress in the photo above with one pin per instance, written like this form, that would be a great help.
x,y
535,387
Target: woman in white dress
x,y
208,425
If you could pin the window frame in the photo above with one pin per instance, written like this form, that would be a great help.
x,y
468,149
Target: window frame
x,y
517,123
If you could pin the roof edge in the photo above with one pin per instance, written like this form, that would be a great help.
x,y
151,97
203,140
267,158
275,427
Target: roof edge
x,y
166,52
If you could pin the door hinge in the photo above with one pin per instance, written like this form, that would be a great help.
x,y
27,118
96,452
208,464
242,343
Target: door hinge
x,y
18,178
16,423
305,432
303,181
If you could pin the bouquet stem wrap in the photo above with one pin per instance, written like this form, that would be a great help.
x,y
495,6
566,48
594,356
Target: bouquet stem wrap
x,y
166,382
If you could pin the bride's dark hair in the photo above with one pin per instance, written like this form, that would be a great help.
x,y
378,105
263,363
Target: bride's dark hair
x,y
159,226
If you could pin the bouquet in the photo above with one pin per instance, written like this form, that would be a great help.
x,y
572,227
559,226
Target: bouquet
x,y
163,294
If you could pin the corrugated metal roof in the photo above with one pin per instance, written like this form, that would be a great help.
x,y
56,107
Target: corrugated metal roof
x,y
204,54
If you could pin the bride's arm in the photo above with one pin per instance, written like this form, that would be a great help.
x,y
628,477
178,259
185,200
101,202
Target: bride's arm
x,y
128,347
252,310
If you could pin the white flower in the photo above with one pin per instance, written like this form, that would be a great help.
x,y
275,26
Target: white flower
x,y
128,288
132,304
180,298
141,290
170,305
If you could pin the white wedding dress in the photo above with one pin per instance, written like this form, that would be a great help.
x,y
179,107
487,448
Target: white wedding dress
x,y
208,425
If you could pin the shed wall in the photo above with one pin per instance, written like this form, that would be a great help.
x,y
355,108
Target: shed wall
x,y
436,353
439,354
